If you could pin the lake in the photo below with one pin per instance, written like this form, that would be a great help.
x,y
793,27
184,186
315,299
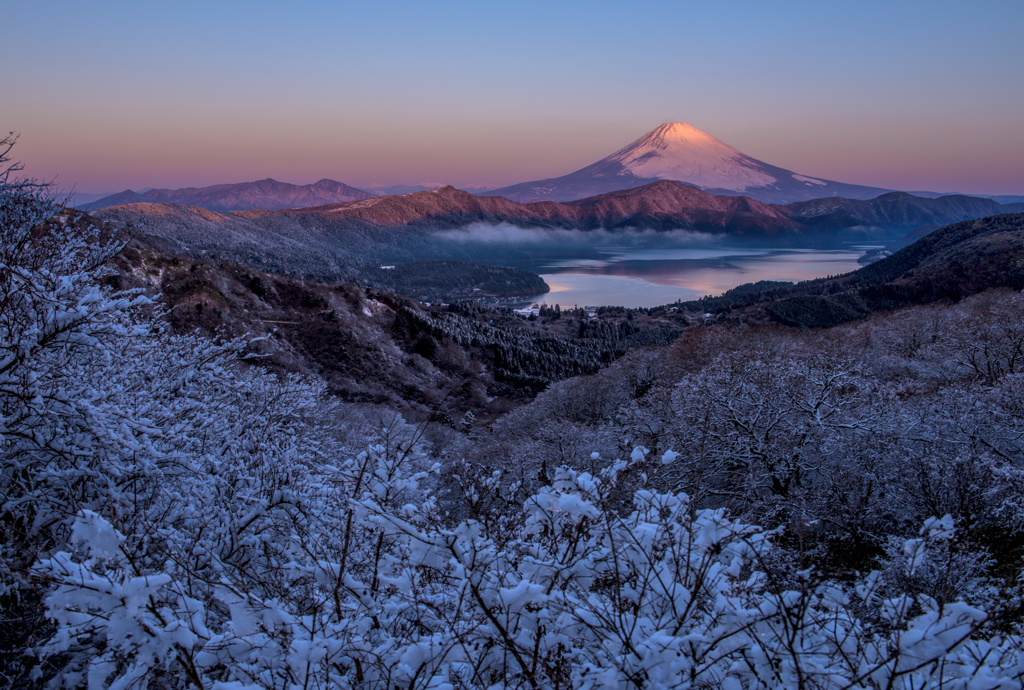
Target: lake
x,y
632,277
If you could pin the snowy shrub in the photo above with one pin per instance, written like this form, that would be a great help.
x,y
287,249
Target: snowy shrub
x,y
172,517
582,597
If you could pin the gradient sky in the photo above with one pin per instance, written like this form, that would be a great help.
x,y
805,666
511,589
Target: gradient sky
x,y
111,95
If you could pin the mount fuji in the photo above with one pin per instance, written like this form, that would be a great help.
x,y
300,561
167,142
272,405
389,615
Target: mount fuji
x,y
681,152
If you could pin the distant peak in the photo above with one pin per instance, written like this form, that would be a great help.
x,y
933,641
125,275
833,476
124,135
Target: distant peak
x,y
677,133
677,129
680,151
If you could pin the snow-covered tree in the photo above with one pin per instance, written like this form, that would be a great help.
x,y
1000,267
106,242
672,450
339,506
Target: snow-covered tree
x,y
174,517
580,596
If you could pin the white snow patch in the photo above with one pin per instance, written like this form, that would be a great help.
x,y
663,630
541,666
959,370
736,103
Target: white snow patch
x,y
679,151
372,307
98,535
808,180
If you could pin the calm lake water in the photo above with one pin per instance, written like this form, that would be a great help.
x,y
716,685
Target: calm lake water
x,y
631,277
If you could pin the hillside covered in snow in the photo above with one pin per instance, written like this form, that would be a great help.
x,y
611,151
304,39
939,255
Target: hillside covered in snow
x,y
748,506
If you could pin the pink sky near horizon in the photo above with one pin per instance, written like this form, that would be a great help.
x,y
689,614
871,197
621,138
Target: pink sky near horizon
x,y
106,99
101,160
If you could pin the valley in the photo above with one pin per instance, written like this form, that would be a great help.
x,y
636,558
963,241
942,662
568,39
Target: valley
x,y
315,404
472,333
668,228
512,346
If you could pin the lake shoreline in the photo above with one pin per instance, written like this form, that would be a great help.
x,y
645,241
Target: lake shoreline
x,y
645,277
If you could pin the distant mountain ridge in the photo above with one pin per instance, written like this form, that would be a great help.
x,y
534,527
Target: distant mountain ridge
x,y
673,151
261,194
380,190
896,209
331,241
661,205
679,151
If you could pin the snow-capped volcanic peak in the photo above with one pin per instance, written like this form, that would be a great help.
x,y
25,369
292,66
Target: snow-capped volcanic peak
x,y
682,153
679,151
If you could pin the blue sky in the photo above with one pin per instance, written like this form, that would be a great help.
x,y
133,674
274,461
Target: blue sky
x,y
110,95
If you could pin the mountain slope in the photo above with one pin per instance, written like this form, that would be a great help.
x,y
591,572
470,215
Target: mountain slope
x,y
959,259
659,205
666,205
447,207
262,194
375,346
333,241
897,209
681,152
949,263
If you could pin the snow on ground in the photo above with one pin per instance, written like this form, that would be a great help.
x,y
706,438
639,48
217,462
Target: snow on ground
x,y
679,151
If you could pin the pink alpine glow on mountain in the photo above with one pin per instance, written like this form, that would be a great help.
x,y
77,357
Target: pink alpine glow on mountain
x,y
679,151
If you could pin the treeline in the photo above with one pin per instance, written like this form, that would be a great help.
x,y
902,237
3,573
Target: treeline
x,y
523,357
667,312
448,281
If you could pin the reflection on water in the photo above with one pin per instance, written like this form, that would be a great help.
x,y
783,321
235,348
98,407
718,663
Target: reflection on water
x,y
651,277
573,289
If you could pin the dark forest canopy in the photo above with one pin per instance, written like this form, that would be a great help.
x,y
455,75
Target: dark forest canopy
x,y
435,281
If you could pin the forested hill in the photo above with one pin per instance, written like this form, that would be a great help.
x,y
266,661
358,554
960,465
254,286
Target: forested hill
x,y
449,281
949,263
373,345
896,209
331,242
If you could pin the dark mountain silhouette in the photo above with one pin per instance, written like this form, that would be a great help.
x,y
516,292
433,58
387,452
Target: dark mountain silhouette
x,y
262,194
896,209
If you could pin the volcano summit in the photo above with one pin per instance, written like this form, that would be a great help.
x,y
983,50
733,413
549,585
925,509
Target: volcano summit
x,y
679,151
